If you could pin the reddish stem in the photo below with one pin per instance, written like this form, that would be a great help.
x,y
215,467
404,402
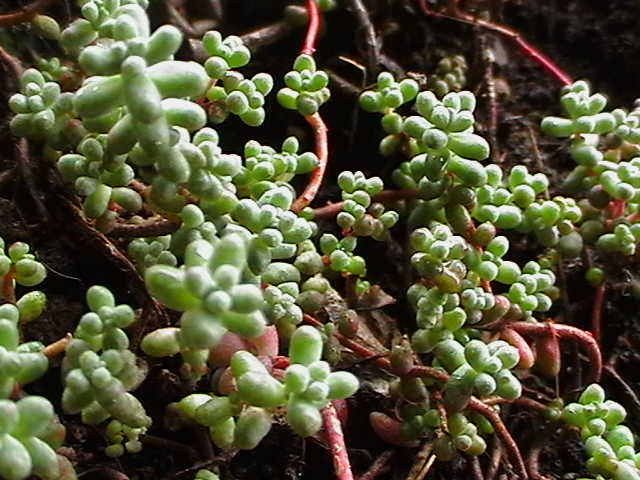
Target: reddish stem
x,y
532,52
25,14
569,333
527,358
56,348
8,286
335,439
505,436
596,312
312,30
322,152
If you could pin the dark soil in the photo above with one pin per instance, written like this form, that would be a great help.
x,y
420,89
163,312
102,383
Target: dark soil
x,y
589,39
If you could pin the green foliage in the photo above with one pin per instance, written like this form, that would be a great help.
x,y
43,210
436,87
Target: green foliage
x,y
450,75
609,443
99,369
306,87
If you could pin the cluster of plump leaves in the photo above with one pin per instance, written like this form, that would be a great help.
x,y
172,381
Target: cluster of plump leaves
x,y
306,87
18,266
359,215
98,369
20,363
123,438
243,418
236,94
477,368
216,291
450,292
28,436
43,112
263,163
26,445
386,98
450,75
149,251
609,443
606,181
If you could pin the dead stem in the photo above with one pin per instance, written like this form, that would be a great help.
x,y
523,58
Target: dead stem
x,y
372,46
494,460
25,14
57,347
596,313
379,466
420,461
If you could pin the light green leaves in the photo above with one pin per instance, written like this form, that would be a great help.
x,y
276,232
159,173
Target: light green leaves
x,y
306,87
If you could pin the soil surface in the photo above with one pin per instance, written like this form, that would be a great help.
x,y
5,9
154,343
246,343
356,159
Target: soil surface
x,y
589,39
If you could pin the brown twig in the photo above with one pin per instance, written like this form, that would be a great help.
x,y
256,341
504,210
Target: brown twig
x,y
150,228
379,466
596,312
335,439
57,347
533,462
25,14
372,47
420,461
26,173
12,62
476,470
494,460
566,332
322,152
504,434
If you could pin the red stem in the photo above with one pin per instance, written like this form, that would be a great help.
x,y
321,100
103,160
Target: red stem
x,y
322,152
532,52
8,286
312,30
596,313
527,357
570,333
335,439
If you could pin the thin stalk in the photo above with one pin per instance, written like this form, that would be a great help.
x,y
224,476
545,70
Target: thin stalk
x,y
335,439
25,14
309,46
322,152
567,332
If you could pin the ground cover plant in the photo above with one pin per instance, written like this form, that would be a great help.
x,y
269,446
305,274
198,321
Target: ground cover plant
x,y
226,254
